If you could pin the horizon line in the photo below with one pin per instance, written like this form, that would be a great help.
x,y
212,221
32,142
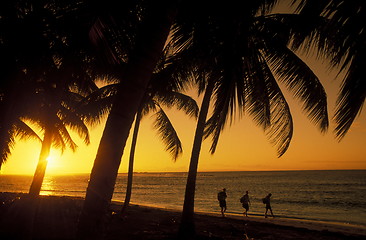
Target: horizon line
x,y
206,171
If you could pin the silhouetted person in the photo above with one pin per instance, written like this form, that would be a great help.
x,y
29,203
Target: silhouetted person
x,y
221,196
267,201
245,201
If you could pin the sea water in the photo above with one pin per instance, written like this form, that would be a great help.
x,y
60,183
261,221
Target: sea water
x,y
334,196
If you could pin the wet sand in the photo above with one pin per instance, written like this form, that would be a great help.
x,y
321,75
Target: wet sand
x,y
56,218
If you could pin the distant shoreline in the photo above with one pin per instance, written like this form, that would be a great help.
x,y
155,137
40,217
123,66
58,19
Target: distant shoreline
x,y
167,172
158,223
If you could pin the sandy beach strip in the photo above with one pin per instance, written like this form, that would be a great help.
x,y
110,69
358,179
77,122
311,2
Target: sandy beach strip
x,y
56,218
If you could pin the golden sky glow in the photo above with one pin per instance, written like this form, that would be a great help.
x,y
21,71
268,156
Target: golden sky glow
x,y
242,146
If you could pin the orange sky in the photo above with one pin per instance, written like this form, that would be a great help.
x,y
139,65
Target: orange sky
x,y
242,147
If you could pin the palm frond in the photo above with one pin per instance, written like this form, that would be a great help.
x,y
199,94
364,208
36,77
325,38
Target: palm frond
x,y
228,96
351,97
149,105
96,106
6,145
61,138
75,123
168,134
176,74
301,81
281,128
256,93
178,100
24,132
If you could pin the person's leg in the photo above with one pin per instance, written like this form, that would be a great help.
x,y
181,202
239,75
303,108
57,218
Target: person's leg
x,y
223,209
271,212
265,214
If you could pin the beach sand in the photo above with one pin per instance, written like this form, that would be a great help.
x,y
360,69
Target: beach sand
x,y
54,218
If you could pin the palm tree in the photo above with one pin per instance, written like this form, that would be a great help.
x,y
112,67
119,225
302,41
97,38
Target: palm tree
x,y
130,93
38,37
156,95
337,31
152,103
100,102
139,69
12,126
241,52
53,109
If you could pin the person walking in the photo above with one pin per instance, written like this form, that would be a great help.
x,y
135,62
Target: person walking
x,y
221,196
267,201
245,202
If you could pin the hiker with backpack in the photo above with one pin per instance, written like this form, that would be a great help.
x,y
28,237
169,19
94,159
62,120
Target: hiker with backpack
x,y
245,202
221,196
267,201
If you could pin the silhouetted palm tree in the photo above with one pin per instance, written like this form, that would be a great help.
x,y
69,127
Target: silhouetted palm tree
x,y
141,63
157,96
337,29
162,91
241,53
139,69
152,103
38,37
54,110
12,126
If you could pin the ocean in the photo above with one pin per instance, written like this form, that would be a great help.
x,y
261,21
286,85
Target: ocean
x,y
337,196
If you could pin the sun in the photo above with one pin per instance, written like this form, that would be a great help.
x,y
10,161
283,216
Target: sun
x,y
53,162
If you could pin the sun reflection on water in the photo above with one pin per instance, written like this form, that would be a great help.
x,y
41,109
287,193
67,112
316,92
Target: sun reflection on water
x,y
48,186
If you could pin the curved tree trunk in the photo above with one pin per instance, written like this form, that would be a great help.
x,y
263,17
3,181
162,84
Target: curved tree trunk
x,y
38,177
131,163
148,49
187,226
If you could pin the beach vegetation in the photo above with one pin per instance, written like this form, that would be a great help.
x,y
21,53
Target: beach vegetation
x,y
242,59
156,96
47,73
55,113
240,53
335,29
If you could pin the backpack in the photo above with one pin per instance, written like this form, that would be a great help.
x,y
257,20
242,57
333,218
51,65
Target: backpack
x,y
221,196
264,200
242,199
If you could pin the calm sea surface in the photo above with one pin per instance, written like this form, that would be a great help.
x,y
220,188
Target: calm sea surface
x,y
334,196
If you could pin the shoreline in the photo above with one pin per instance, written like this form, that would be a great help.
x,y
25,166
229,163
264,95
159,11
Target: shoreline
x,y
315,225
56,218
283,220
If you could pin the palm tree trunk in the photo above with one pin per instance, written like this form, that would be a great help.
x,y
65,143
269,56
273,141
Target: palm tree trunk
x,y
187,226
148,49
131,162
38,177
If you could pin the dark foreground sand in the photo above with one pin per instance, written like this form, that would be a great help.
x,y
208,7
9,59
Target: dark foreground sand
x,y
56,218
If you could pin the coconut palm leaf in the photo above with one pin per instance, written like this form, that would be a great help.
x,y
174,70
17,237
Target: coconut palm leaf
x,y
24,132
280,130
351,97
179,100
302,82
61,137
19,130
340,37
75,123
167,134
98,104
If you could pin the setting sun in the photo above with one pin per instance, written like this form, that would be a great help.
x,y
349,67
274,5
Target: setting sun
x,y
53,162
